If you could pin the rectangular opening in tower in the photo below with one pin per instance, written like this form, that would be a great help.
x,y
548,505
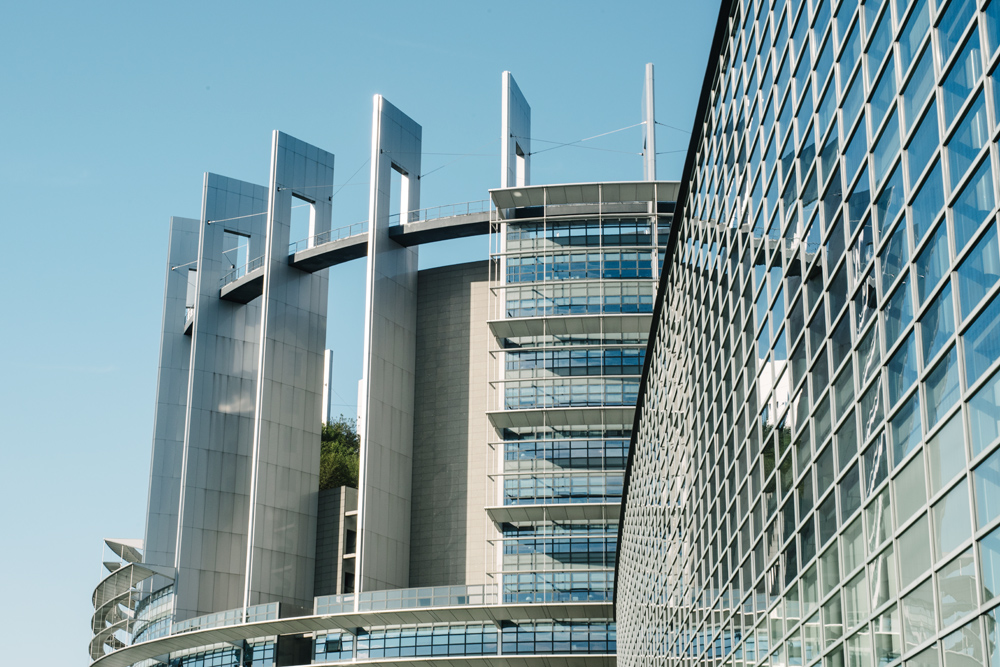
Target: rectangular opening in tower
x,y
303,222
399,196
521,165
235,252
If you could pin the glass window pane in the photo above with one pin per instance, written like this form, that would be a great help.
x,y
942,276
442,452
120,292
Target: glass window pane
x,y
847,442
987,481
995,78
915,549
856,600
882,577
886,149
979,271
906,435
858,200
898,312
946,453
876,464
894,256
952,523
984,415
909,486
854,99
962,78
957,589
989,556
918,615
913,33
902,369
919,87
857,149
964,646
928,202
890,200
952,25
971,135
982,341
942,388
924,143
871,411
840,339
975,202
833,620
850,493
880,42
938,323
992,637
825,110
885,93
844,391
991,16
932,262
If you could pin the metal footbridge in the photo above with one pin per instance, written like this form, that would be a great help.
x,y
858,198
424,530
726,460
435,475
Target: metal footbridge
x,y
441,223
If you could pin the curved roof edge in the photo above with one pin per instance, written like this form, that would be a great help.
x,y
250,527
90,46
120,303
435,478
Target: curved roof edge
x,y
726,8
348,621
583,193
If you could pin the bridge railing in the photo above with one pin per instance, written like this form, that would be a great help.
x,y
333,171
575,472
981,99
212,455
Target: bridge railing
x,y
326,237
446,211
241,271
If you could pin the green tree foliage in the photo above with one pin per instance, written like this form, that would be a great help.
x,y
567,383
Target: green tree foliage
x,y
340,454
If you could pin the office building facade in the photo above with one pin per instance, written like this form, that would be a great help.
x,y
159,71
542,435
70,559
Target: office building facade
x,y
495,409
814,475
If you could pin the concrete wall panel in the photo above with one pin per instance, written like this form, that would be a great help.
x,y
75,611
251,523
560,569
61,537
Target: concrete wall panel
x,y
450,428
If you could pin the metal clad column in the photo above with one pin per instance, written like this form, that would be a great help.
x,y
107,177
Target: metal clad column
x,y
212,530
171,397
648,128
386,430
285,470
515,142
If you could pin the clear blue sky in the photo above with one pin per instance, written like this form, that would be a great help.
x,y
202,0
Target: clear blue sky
x,y
111,113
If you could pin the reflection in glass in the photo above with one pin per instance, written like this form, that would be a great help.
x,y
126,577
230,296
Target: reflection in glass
x,y
938,323
971,135
959,82
909,486
928,203
957,589
987,481
942,388
982,341
964,646
915,552
952,523
932,262
975,202
984,414
979,271
918,615
946,453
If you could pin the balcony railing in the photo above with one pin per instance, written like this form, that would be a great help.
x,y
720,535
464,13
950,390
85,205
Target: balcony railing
x,y
408,598
260,612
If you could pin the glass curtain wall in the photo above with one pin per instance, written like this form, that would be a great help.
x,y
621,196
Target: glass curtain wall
x,y
576,277
816,476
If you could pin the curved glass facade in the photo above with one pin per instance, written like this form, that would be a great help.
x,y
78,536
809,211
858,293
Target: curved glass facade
x,y
815,475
